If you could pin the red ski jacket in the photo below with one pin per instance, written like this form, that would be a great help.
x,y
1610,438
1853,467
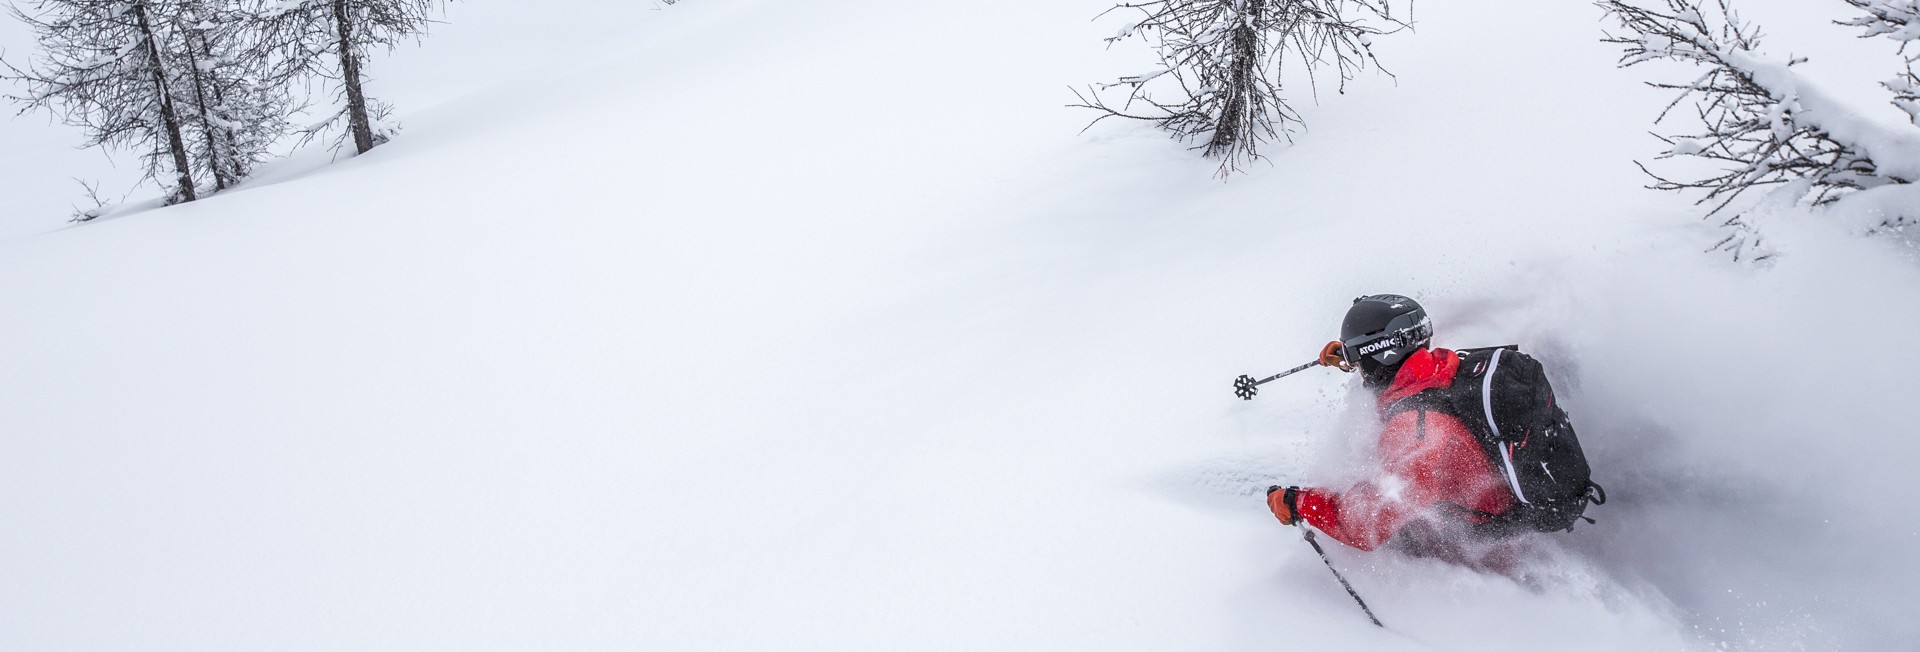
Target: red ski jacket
x,y
1432,467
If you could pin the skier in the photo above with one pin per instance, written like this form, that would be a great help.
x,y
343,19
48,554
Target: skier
x,y
1442,490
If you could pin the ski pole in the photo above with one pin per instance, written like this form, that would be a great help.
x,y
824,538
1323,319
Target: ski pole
x,y
1336,575
1245,386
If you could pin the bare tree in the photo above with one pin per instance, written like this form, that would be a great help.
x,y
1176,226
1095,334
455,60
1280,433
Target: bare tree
x,y
234,118
1222,63
104,68
1758,119
330,39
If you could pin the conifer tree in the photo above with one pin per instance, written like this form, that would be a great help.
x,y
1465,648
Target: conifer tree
x,y
105,68
232,118
1221,64
331,39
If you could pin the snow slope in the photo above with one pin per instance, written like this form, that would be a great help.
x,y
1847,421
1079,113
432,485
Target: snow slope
x,y
750,325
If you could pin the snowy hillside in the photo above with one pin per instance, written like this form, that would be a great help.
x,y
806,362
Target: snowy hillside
x,y
741,324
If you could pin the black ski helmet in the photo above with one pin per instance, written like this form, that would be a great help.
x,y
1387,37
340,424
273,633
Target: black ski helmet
x,y
1381,330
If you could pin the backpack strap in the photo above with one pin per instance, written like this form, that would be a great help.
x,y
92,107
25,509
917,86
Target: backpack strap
x,y
1454,401
1486,405
1483,349
1474,355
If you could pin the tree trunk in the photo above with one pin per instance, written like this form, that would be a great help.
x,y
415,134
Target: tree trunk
x,y
169,121
194,53
357,119
236,168
1228,131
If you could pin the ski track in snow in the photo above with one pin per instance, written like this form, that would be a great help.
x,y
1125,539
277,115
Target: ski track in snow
x,y
742,325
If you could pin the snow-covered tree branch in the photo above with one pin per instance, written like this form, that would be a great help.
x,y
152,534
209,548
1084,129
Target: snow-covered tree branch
x,y
330,39
1896,19
234,118
1221,63
1900,21
1762,122
105,68
202,88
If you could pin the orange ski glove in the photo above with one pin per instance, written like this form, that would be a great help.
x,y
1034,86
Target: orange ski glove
x,y
1330,357
1282,500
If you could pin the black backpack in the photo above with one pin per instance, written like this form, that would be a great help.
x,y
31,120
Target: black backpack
x,y
1504,398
